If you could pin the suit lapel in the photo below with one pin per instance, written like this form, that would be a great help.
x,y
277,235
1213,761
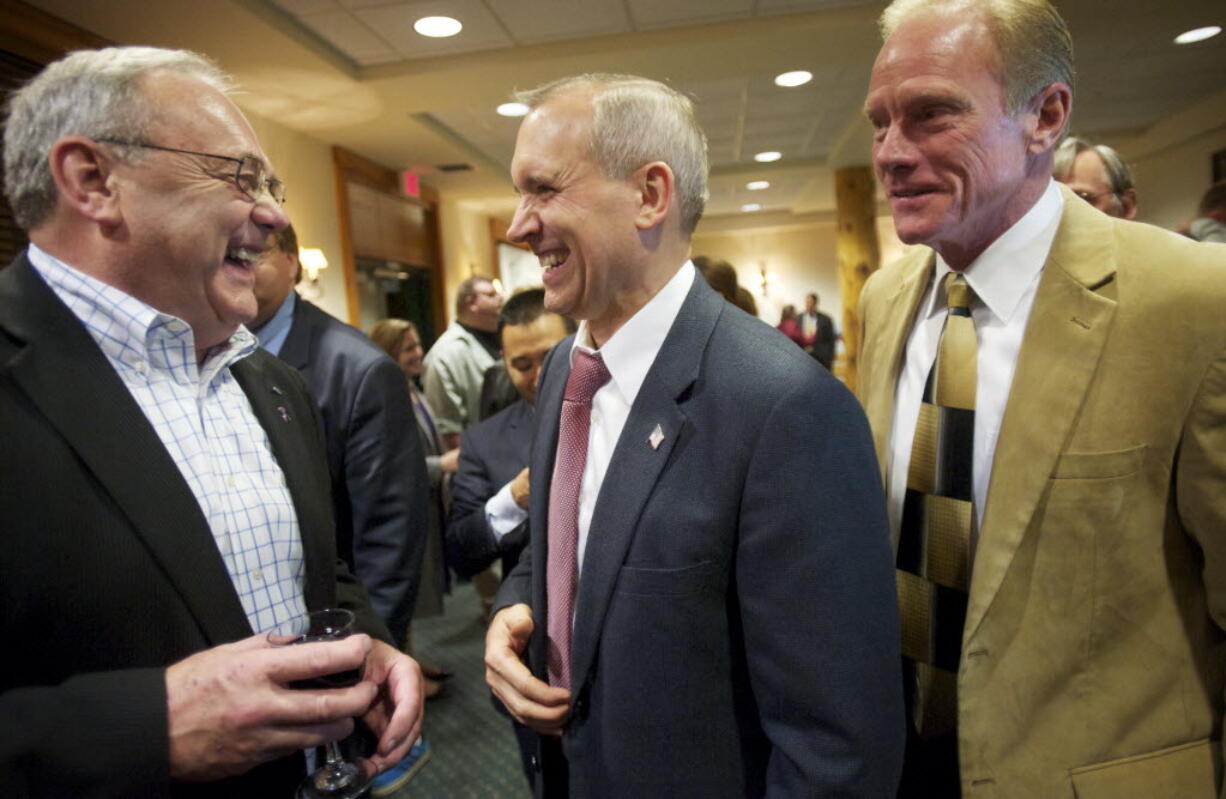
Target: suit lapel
x,y
888,343
635,467
1063,342
287,425
72,384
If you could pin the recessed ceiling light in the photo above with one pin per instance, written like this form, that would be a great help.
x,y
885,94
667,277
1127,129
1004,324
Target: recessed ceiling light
x,y
797,78
758,185
512,109
747,207
769,155
437,27
1198,35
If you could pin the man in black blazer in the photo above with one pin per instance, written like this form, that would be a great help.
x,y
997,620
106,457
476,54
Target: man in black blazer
x,y
164,491
817,332
734,611
375,460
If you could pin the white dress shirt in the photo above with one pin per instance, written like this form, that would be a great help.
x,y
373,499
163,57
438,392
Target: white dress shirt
x,y
1004,278
209,429
628,355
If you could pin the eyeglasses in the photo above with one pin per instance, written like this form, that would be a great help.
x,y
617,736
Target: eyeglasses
x,y
248,174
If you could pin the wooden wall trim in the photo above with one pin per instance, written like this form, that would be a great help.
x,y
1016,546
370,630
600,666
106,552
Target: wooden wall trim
x,y
40,37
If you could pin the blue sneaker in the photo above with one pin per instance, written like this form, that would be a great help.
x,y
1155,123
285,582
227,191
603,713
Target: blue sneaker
x,y
395,777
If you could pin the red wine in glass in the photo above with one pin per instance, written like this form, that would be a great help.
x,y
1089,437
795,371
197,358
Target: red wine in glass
x,y
337,778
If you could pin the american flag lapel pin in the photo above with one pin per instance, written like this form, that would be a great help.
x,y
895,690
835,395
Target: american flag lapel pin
x,y
656,437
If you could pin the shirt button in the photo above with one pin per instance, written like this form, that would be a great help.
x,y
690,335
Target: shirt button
x,y
257,575
229,481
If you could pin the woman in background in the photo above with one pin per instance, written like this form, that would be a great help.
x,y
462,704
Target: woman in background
x,y
400,340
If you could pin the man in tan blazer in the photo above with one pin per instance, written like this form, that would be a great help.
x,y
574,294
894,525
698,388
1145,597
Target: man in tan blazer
x,y
1091,655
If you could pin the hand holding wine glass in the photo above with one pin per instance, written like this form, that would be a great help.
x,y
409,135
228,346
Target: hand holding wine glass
x,y
337,778
228,710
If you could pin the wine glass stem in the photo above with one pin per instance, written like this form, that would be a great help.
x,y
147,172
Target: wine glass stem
x,y
333,754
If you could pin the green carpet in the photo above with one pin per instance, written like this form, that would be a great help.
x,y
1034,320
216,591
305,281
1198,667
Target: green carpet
x,y
473,749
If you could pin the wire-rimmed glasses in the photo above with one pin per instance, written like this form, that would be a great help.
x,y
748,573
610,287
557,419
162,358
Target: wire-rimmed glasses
x,y
248,173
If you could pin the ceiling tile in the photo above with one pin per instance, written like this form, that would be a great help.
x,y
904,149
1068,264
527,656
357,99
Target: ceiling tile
x,y
482,30
299,7
656,14
788,6
350,36
533,21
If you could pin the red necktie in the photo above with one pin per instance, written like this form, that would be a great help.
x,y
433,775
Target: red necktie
x,y
587,375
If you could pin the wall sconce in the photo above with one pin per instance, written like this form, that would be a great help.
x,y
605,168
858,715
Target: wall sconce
x,y
313,262
765,279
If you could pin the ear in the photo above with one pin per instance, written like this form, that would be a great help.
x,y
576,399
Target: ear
x,y
656,186
1128,204
1051,109
82,174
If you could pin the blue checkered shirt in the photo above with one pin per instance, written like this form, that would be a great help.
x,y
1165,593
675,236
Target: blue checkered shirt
x,y
207,425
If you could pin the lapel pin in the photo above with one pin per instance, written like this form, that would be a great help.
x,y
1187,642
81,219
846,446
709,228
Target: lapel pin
x,y
656,437
284,413
278,391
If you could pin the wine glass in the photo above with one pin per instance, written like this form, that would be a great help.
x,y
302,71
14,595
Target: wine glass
x,y
338,778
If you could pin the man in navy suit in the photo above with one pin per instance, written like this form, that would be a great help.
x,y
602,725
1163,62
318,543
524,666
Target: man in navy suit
x,y
729,567
375,460
489,501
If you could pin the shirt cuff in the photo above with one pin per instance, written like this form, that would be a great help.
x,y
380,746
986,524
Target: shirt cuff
x,y
502,514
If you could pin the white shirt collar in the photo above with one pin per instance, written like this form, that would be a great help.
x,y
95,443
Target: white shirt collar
x,y
1002,272
123,324
630,352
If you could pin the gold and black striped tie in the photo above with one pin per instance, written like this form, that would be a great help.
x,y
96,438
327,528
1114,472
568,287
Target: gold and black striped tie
x,y
935,535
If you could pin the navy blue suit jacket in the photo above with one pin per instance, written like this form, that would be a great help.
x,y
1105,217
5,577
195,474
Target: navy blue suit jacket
x,y
736,629
375,461
491,454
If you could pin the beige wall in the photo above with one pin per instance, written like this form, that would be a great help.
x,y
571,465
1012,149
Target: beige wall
x,y
305,164
1170,182
797,260
466,247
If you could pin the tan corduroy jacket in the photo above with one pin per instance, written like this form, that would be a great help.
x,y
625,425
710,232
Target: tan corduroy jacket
x,y
1093,652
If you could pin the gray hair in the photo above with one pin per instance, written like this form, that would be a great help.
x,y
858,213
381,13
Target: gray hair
x,y
1035,46
636,121
1119,176
94,93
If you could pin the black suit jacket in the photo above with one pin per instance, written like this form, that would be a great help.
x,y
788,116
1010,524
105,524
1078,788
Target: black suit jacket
x,y
822,346
491,454
375,460
735,629
109,572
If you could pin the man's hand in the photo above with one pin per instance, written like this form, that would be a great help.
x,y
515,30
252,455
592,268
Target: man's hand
x,y
449,461
519,489
396,714
532,702
230,709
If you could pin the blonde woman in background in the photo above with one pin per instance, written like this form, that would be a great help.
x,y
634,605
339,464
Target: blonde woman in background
x,y
400,340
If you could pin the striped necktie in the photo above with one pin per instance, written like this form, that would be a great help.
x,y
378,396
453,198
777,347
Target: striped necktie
x,y
934,543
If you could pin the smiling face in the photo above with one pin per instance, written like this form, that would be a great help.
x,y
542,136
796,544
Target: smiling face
x,y
578,221
954,164
524,348
194,236
409,356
